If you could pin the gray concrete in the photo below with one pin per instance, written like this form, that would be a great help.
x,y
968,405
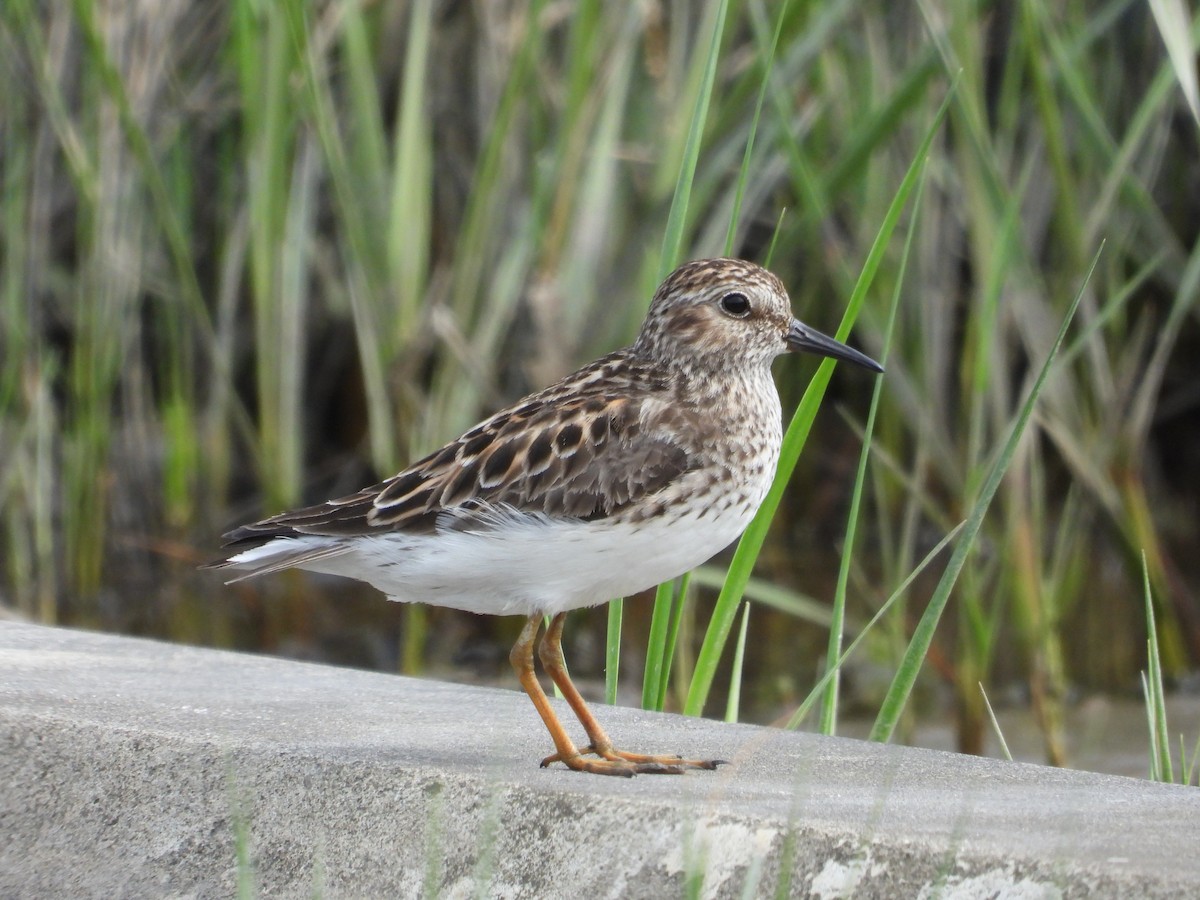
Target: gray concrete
x,y
129,768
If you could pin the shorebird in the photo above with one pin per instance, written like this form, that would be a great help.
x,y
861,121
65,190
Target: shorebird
x,y
624,474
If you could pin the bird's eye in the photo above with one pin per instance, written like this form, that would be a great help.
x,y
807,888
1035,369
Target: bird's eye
x,y
736,304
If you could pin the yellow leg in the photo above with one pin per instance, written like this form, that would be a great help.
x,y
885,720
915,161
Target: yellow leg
x,y
550,653
521,658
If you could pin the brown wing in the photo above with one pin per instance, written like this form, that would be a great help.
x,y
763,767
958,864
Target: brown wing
x,y
585,458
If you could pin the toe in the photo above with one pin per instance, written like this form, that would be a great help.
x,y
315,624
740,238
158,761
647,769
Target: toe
x,y
655,768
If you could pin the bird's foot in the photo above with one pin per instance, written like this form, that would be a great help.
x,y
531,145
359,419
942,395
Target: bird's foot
x,y
618,762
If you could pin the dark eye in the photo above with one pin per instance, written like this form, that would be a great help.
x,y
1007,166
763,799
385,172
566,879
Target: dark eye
x,y
736,304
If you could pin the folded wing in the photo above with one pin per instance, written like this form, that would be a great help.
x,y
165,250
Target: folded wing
x,y
587,459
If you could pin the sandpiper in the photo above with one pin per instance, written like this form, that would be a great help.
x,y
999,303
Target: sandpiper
x,y
625,474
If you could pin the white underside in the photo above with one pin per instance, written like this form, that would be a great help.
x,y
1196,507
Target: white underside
x,y
530,565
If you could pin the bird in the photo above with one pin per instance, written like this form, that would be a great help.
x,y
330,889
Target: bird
x,y
622,475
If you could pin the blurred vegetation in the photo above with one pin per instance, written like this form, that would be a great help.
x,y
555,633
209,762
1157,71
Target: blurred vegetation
x,y
259,253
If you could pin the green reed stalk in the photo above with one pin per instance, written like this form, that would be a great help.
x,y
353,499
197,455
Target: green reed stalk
x,y
797,432
656,650
914,657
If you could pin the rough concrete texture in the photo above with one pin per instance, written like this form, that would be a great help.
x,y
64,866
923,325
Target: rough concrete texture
x,y
130,768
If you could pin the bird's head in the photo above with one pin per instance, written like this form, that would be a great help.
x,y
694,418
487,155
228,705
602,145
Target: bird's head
x,y
716,314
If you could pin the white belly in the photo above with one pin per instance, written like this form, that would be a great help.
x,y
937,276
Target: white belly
x,y
534,565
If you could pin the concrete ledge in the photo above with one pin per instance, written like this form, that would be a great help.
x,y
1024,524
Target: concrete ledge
x,y
129,768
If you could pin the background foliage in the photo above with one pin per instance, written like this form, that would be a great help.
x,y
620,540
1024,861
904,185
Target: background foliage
x,y
259,253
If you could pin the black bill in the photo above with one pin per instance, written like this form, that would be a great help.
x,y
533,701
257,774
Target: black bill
x,y
801,338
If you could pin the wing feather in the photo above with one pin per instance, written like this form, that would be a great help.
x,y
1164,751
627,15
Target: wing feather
x,y
576,450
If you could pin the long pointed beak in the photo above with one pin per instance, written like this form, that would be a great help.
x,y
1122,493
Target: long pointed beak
x,y
801,338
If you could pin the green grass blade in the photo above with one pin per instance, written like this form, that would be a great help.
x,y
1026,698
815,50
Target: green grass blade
x,y
751,542
837,624
410,215
818,690
660,646
357,178
743,175
612,651
672,242
677,217
1189,769
656,645
735,678
769,594
1161,768
1154,770
995,724
677,610
1172,20
914,655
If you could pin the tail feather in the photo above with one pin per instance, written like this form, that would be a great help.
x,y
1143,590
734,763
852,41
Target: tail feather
x,y
277,555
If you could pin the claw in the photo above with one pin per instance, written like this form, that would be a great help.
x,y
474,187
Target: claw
x,y
658,769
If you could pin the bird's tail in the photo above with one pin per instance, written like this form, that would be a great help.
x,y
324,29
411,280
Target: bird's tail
x,y
279,554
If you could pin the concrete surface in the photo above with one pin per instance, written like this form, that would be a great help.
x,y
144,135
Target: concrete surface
x,y
130,768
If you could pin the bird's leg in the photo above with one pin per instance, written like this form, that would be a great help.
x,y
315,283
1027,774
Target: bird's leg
x,y
521,658
551,655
